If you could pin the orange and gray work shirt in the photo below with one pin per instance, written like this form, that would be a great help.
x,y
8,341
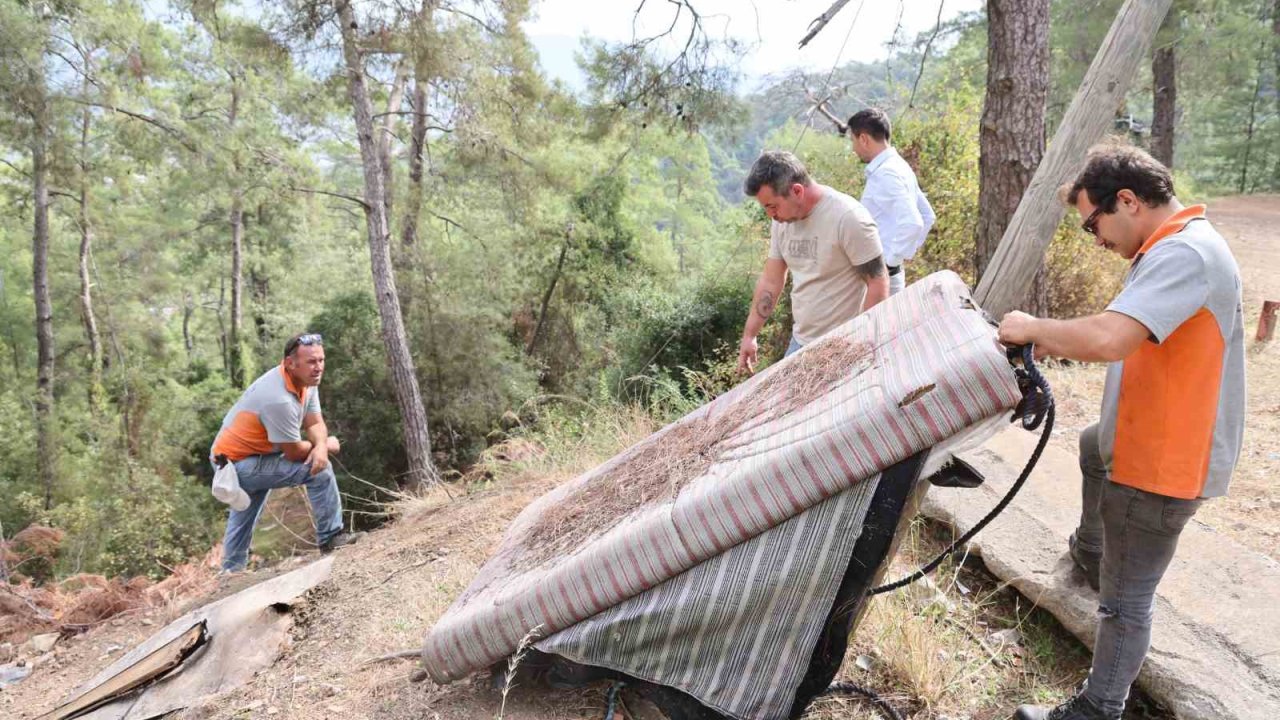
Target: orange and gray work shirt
x,y
269,412
1173,411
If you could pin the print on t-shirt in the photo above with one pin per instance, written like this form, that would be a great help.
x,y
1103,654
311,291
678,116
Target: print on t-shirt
x,y
804,247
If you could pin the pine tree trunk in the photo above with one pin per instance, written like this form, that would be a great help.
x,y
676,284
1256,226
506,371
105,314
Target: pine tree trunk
x,y
1021,251
417,149
86,247
413,414
403,254
1275,55
1164,94
1012,132
46,447
235,344
388,128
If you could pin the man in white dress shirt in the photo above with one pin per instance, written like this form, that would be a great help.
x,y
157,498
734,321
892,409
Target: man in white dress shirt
x,y
892,195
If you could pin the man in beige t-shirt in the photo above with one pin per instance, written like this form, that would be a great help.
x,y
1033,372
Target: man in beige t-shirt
x,y
829,243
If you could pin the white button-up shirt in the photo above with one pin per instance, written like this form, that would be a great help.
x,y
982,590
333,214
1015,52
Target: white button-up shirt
x,y
900,209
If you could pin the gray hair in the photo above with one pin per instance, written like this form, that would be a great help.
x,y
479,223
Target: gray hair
x,y
779,170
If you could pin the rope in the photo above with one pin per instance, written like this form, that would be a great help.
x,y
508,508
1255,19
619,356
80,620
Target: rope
x,y
1036,407
611,699
848,688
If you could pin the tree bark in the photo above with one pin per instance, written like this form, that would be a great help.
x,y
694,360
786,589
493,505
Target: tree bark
x,y
1012,133
388,128
1250,129
86,247
1164,92
46,447
188,309
1021,252
417,149
403,255
546,297
1275,56
235,345
413,414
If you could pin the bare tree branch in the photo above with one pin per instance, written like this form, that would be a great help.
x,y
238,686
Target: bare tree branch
x,y
313,191
937,25
821,21
821,107
181,137
15,168
478,21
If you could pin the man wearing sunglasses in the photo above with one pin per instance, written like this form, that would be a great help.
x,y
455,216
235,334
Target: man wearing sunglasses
x,y
263,435
1172,409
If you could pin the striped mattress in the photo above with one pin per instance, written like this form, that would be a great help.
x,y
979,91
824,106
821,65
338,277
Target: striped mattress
x,y
719,589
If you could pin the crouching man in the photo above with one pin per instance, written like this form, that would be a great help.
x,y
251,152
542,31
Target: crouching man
x,y
1172,408
263,435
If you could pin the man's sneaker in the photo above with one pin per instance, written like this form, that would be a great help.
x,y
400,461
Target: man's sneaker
x,y
342,539
1089,562
1077,708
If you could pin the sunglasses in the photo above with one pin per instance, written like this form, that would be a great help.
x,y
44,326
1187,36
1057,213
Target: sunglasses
x,y
308,339
1090,224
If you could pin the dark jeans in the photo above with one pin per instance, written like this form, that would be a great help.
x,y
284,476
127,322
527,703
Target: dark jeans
x,y
1137,533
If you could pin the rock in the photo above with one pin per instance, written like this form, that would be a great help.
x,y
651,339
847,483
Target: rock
x,y
1213,650
148,622
864,663
6,652
10,674
327,690
43,643
273,711
1006,638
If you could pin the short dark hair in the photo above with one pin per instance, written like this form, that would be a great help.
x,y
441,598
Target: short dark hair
x,y
306,338
871,121
779,170
1112,167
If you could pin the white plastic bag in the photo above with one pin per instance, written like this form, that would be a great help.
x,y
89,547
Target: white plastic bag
x,y
226,487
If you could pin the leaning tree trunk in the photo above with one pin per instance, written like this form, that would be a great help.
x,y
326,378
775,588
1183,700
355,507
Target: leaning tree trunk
x,y
86,247
1091,113
45,446
1164,93
1012,132
413,414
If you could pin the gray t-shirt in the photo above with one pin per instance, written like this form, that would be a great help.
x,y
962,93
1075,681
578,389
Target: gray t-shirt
x,y
1173,412
270,412
822,252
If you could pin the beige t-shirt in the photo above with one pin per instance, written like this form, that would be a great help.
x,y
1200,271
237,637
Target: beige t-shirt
x,y
821,251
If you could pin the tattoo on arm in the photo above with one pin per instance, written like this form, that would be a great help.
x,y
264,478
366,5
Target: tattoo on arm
x,y
871,269
766,304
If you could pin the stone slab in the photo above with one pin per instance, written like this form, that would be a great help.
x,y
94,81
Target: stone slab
x,y
1215,652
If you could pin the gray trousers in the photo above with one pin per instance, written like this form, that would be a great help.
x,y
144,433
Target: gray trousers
x,y
1137,534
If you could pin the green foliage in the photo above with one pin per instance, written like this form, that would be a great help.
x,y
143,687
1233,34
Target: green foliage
x,y
170,124
669,335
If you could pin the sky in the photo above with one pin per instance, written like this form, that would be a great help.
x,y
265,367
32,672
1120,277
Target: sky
x,y
773,27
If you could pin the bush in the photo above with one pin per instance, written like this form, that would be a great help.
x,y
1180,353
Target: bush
x,y
670,336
